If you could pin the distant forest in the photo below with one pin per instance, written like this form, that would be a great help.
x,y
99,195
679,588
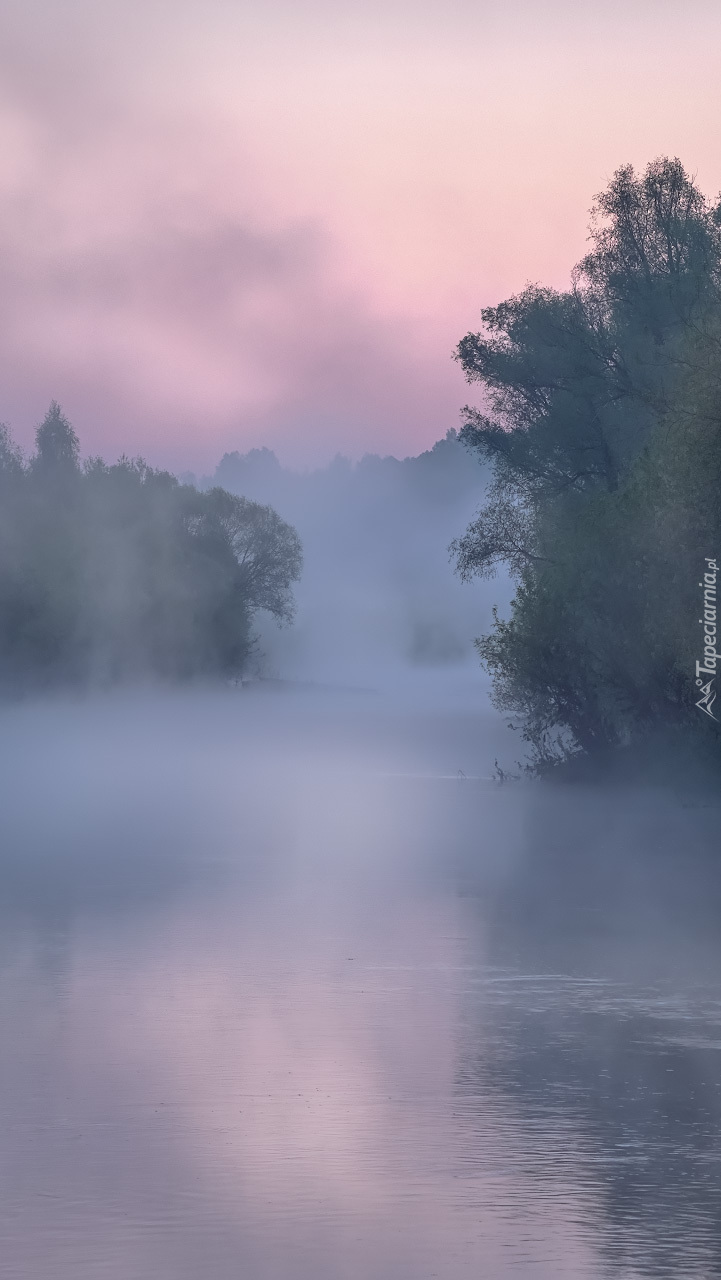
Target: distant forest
x,y
119,572
601,420
378,593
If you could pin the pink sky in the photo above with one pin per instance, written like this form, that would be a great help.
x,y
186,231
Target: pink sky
x,y
228,224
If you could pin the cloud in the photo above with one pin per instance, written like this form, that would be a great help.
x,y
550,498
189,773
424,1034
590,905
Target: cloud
x,y
221,329
231,224
145,283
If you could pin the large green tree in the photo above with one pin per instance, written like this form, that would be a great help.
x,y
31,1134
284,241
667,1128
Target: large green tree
x,y
600,419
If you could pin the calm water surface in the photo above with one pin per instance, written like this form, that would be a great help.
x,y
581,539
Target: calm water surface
x,y
286,996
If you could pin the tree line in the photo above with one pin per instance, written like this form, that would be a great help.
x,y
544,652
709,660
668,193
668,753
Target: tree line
x,y
601,420
116,572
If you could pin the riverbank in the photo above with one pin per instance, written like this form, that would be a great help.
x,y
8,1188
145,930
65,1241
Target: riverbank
x,y
673,760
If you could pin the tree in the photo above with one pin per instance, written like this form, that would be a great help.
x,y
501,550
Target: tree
x,y
118,572
267,550
57,448
593,399
575,381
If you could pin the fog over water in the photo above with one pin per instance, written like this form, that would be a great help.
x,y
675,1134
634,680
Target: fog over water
x,y
287,989
312,965
378,601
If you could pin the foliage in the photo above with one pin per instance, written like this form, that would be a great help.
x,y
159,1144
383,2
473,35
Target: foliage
x,y
603,424
119,572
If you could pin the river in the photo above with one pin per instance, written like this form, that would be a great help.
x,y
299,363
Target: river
x,y
291,989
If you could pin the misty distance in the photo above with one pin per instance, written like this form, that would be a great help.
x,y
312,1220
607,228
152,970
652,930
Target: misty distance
x,y
359,804
585,473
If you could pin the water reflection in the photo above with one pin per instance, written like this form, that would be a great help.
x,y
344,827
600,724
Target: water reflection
x,y
292,1018
613,1016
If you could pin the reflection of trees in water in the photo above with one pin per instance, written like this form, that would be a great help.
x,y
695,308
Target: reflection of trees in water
x,y
621,1040
645,1112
